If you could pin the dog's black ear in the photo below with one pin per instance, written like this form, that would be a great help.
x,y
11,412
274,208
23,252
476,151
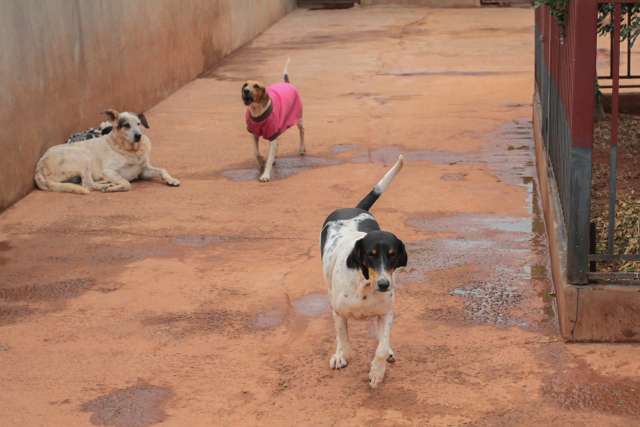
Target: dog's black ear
x,y
356,258
143,120
401,258
111,114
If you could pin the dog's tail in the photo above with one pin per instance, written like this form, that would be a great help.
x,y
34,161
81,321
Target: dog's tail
x,y
285,73
63,187
381,186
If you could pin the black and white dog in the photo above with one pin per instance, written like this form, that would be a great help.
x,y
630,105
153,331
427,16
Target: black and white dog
x,y
358,261
104,129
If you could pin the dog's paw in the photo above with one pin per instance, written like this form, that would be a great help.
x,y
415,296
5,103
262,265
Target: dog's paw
x,y
173,182
376,374
264,178
338,361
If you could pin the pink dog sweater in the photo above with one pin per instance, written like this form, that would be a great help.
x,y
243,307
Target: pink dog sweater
x,y
284,112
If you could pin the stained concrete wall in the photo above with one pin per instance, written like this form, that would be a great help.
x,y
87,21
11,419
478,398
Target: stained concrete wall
x,y
428,3
62,62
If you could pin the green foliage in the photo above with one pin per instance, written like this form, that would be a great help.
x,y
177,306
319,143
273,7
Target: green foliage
x,y
628,29
557,8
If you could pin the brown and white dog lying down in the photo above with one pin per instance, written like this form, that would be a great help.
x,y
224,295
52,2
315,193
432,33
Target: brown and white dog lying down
x,y
107,163
270,112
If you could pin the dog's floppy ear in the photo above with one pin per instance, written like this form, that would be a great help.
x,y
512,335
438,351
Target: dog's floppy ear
x,y
401,258
356,258
111,114
260,92
143,120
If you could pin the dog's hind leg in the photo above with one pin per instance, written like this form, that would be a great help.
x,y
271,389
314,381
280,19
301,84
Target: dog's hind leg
x,y
302,149
379,362
271,158
343,347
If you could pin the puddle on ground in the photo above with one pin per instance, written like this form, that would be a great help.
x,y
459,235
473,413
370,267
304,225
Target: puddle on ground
x,y
454,176
506,256
184,324
11,313
4,247
60,290
199,240
269,319
283,168
344,148
141,405
451,73
312,305
510,166
580,388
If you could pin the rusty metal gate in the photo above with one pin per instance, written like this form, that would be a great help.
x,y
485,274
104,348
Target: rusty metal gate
x,y
566,81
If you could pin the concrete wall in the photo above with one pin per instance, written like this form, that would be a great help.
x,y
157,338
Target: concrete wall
x,y
62,62
429,3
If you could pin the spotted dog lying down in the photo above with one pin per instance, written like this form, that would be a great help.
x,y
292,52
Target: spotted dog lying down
x,y
107,163
104,129
358,261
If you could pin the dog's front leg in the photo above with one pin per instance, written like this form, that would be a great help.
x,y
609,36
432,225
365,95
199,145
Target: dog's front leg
x,y
379,362
150,172
343,347
271,158
256,152
116,182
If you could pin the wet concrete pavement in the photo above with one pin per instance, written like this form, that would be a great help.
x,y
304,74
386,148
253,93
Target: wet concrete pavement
x,y
204,304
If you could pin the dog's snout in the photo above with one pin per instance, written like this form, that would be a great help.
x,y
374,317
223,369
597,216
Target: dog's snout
x,y
246,90
137,137
383,285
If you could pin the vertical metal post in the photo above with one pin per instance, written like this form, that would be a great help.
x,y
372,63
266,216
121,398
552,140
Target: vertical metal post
x,y
581,104
615,117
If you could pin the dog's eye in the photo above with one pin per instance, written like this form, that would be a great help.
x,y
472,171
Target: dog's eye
x,y
126,126
256,86
391,253
373,253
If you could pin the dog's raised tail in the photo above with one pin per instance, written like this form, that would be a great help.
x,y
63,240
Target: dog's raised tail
x,y
381,186
285,73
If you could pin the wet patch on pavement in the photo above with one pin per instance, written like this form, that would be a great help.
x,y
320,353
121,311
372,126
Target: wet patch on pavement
x,y
200,240
283,168
451,73
378,98
506,257
454,176
269,319
14,301
580,388
59,290
510,166
184,324
10,314
140,405
312,305
4,247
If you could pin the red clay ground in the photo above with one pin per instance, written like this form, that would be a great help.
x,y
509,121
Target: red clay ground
x,y
204,305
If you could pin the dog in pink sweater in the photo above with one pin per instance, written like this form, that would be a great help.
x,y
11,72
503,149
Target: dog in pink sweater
x,y
270,112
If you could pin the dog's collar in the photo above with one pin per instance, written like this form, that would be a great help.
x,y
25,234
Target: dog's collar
x,y
264,116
